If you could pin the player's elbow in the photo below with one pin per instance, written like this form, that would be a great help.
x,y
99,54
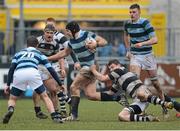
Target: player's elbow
x,y
102,42
154,40
103,79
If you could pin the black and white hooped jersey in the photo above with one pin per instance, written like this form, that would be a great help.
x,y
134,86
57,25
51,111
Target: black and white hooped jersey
x,y
47,48
61,40
50,48
126,80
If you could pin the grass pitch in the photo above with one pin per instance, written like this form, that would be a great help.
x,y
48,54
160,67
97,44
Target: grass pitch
x,y
93,116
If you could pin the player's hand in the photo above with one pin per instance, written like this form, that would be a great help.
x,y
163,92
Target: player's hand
x,y
62,88
77,66
137,45
91,44
129,55
7,90
63,73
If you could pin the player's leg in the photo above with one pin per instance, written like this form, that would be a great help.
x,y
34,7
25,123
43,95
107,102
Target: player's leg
x,y
135,65
144,95
50,84
60,69
133,113
63,99
92,94
35,82
156,84
14,94
48,103
36,100
18,86
75,95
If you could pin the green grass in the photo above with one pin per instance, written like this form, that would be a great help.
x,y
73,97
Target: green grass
x,y
93,116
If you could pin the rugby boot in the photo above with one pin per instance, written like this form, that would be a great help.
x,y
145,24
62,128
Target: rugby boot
x,y
7,116
41,115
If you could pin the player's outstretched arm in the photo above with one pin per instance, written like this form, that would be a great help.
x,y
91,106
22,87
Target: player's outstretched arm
x,y
60,54
10,73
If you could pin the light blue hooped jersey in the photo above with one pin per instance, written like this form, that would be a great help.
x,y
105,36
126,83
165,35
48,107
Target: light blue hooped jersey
x,y
85,57
139,31
30,57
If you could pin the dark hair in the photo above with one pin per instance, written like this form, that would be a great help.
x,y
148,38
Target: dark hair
x,y
133,6
49,27
50,19
114,61
73,27
32,41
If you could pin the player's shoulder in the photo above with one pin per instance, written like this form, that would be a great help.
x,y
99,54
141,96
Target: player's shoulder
x,y
144,21
40,38
126,22
34,50
58,34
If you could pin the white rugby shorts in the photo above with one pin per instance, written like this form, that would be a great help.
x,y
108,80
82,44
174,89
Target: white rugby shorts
x,y
146,62
27,77
45,75
142,105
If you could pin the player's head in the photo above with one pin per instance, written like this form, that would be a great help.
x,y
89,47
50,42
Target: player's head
x,y
134,11
32,41
50,21
113,64
72,28
49,32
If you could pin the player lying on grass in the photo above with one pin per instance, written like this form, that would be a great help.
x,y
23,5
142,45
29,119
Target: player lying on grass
x,y
24,72
129,82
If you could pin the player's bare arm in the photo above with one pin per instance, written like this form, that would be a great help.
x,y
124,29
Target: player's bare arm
x,y
60,54
151,41
62,68
127,45
98,75
126,40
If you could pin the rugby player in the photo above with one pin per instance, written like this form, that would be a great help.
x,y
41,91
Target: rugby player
x,y
139,37
129,82
24,72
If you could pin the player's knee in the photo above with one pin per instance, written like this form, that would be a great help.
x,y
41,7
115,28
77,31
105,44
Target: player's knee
x,y
141,95
154,81
123,116
91,97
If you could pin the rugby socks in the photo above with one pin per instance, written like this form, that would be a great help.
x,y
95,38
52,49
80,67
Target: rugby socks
x,y
75,100
67,99
107,97
8,115
37,109
11,108
155,100
62,101
137,117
